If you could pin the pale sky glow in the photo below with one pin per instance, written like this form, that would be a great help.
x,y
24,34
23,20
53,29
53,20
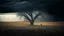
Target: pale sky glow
x,y
10,17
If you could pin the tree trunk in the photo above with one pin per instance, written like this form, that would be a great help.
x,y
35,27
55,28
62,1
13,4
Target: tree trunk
x,y
32,22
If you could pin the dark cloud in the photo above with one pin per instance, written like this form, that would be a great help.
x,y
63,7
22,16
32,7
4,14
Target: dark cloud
x,y
51,6
26,5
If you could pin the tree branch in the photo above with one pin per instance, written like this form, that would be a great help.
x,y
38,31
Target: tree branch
x,y
25,15
37,16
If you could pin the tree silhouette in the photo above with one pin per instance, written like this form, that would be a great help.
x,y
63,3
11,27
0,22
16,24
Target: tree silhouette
x,y
31,16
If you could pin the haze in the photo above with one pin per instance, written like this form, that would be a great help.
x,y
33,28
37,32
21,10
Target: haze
x,y
10,17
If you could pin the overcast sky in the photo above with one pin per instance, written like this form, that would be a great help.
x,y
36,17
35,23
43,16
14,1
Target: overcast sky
x,y
10,17
52,7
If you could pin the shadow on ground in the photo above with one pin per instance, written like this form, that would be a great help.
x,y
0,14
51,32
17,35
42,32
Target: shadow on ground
x,y
32,31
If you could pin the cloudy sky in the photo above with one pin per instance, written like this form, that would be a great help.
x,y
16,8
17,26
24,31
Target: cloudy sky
x,y
13,17
10,17
51,7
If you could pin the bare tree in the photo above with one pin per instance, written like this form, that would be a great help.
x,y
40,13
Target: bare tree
x,y
30,16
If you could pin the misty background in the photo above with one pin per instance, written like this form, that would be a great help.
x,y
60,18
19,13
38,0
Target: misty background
x,y
51,9
11,17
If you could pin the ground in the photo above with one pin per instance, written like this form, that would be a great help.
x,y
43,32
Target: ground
x,y
35,30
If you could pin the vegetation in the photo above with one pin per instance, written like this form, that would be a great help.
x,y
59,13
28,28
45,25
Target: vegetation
x,y
31,16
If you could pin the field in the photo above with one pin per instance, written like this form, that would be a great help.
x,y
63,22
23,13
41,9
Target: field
x,y
20,23
25,29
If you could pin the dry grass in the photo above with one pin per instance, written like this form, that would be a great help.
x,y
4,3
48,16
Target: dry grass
x,y
46,29
27,23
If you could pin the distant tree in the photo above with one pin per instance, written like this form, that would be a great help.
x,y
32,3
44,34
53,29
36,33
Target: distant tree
x,y
31,16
